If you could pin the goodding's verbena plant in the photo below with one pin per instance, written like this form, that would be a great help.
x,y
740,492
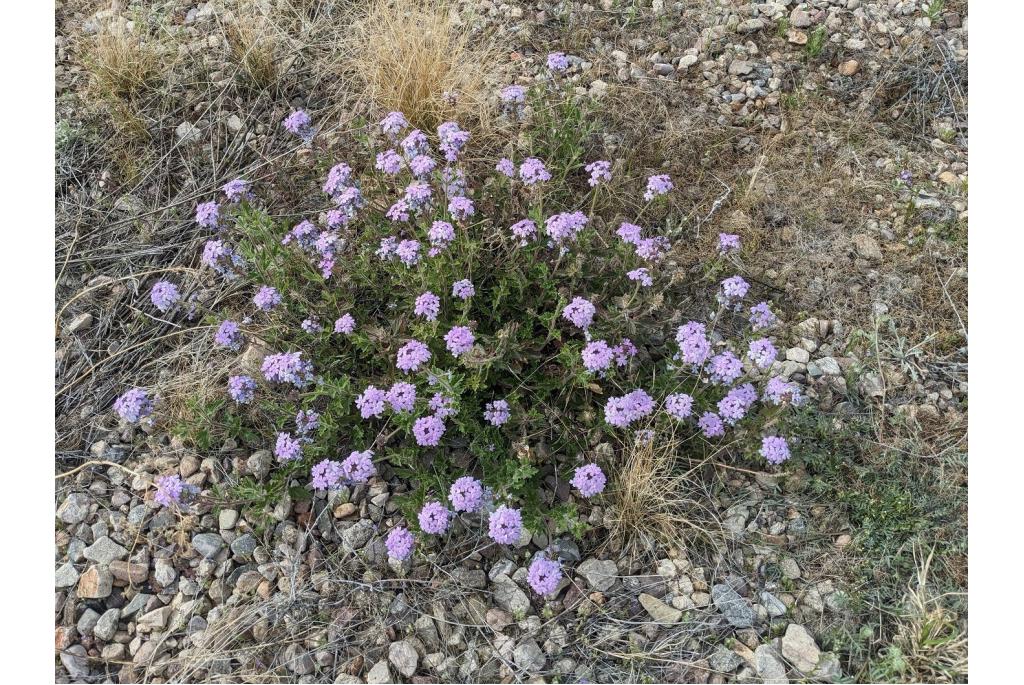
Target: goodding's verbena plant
x,y
481,335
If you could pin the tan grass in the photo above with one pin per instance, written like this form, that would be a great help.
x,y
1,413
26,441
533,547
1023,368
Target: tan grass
x,y
409,55
255,49
121,63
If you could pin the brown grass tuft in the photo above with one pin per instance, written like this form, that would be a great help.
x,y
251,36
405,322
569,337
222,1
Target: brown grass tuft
x,y
122,63
255,49
408,55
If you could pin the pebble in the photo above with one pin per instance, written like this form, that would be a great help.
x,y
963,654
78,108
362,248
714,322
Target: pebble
x,y
207,544
600,575
737,610
659,611
800,649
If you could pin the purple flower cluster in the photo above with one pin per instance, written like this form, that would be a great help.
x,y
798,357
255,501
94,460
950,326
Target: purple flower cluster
x,y
532,171
442,406
371,402
304,234
389,161
208,213
311,325
288,447
597,356
222,258
679,405
711,425
266,298
657,185
134,405
287,367
728,242
399,544
326,474
777,391
358,466
433,518
459,340
600,170
505,525
393,124
164,295
589,479
345,325
241,388
648,249
525,230
735,405
762,353
299,124
306,422
513,101
441,234
428,431
557,62
427,305
733,289
466,494
725,368
402,396
580,312
497,412
236,190
452,140
461,208
761,316
228,335
565,227
544,575
169,490
642,275
412,355
774,449
694,346
463,289
622,411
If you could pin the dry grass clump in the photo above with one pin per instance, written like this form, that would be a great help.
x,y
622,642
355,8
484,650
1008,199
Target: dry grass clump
x,y
409,55
656,498
122,63
255,49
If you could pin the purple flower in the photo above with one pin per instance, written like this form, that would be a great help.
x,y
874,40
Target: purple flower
x,y
241,388
565,226
762,352
371,402
422,165
761,316
412,355
525,230
358,466
694,346
589,479
299,123
544,575
622,411
427,305
164,295
402,396
433,518
533,171
453,182
600,170
774,449
428,431
624,351
441,233
466,494
778,391
580,312
389,162
725,368
597,356
629,233
442,406
679,405
266,298
220,257
557,62
463,289
505,525
288,448
337,179
168,490
399,544
497,412
652,249
513,101
287,367
208,213
408,252
399,211
303,233
393,124
415,144
711,425
734,406
506,167
452,139
134,405
307,421
459,340
642,275
733,288
728,242
417,195
346,324
326,474
657,185
461,208
228,335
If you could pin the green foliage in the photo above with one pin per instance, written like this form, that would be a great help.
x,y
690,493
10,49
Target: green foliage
x,y
816,42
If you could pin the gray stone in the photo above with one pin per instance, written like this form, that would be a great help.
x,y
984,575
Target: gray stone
x,y
600,575
736,609
208,544
104,551
687,61
75,661
154,620
768,665
80,323
87,621
66,576
798,355
867,247
234,123
403,656
800,648
510,597
106,627
95,583
529,656
739,67
164,572
138,603
772,604
750,25
228,518
724,660
659,611
188,133
299,660
799,19
244,545
260,463
790,569
357,535
380,673
829,366
74,509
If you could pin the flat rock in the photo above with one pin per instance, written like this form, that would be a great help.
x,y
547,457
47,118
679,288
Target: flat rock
x,y
65,576
510,597
800,648
95,583
528,656
404,657
380,673
104,551
129,572
600,575
659,611
769,667
867,247
74,509
737,610
208,544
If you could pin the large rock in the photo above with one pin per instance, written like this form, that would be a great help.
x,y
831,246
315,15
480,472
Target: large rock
x,y
735,608
600,575
95,583
104,551
74,509
800,648
528,656
404,657
358,535
510,597
769,668
380,673
106,626
66,576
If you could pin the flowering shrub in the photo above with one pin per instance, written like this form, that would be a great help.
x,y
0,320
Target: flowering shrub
x,y
493,321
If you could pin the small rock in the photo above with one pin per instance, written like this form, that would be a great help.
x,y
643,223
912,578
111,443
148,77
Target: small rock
x,y
529,656
769,667
104,551
208,544
129,572
740,67
74,509
867,247
800,648
849,67
188,133
799,18
228,518
772,604
659,611
106,626
380,673
344,510
260,463
798,355
95,583
404,657
66,576
358,535
735,608
75,660
796,37
80,323
600,575
790,569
